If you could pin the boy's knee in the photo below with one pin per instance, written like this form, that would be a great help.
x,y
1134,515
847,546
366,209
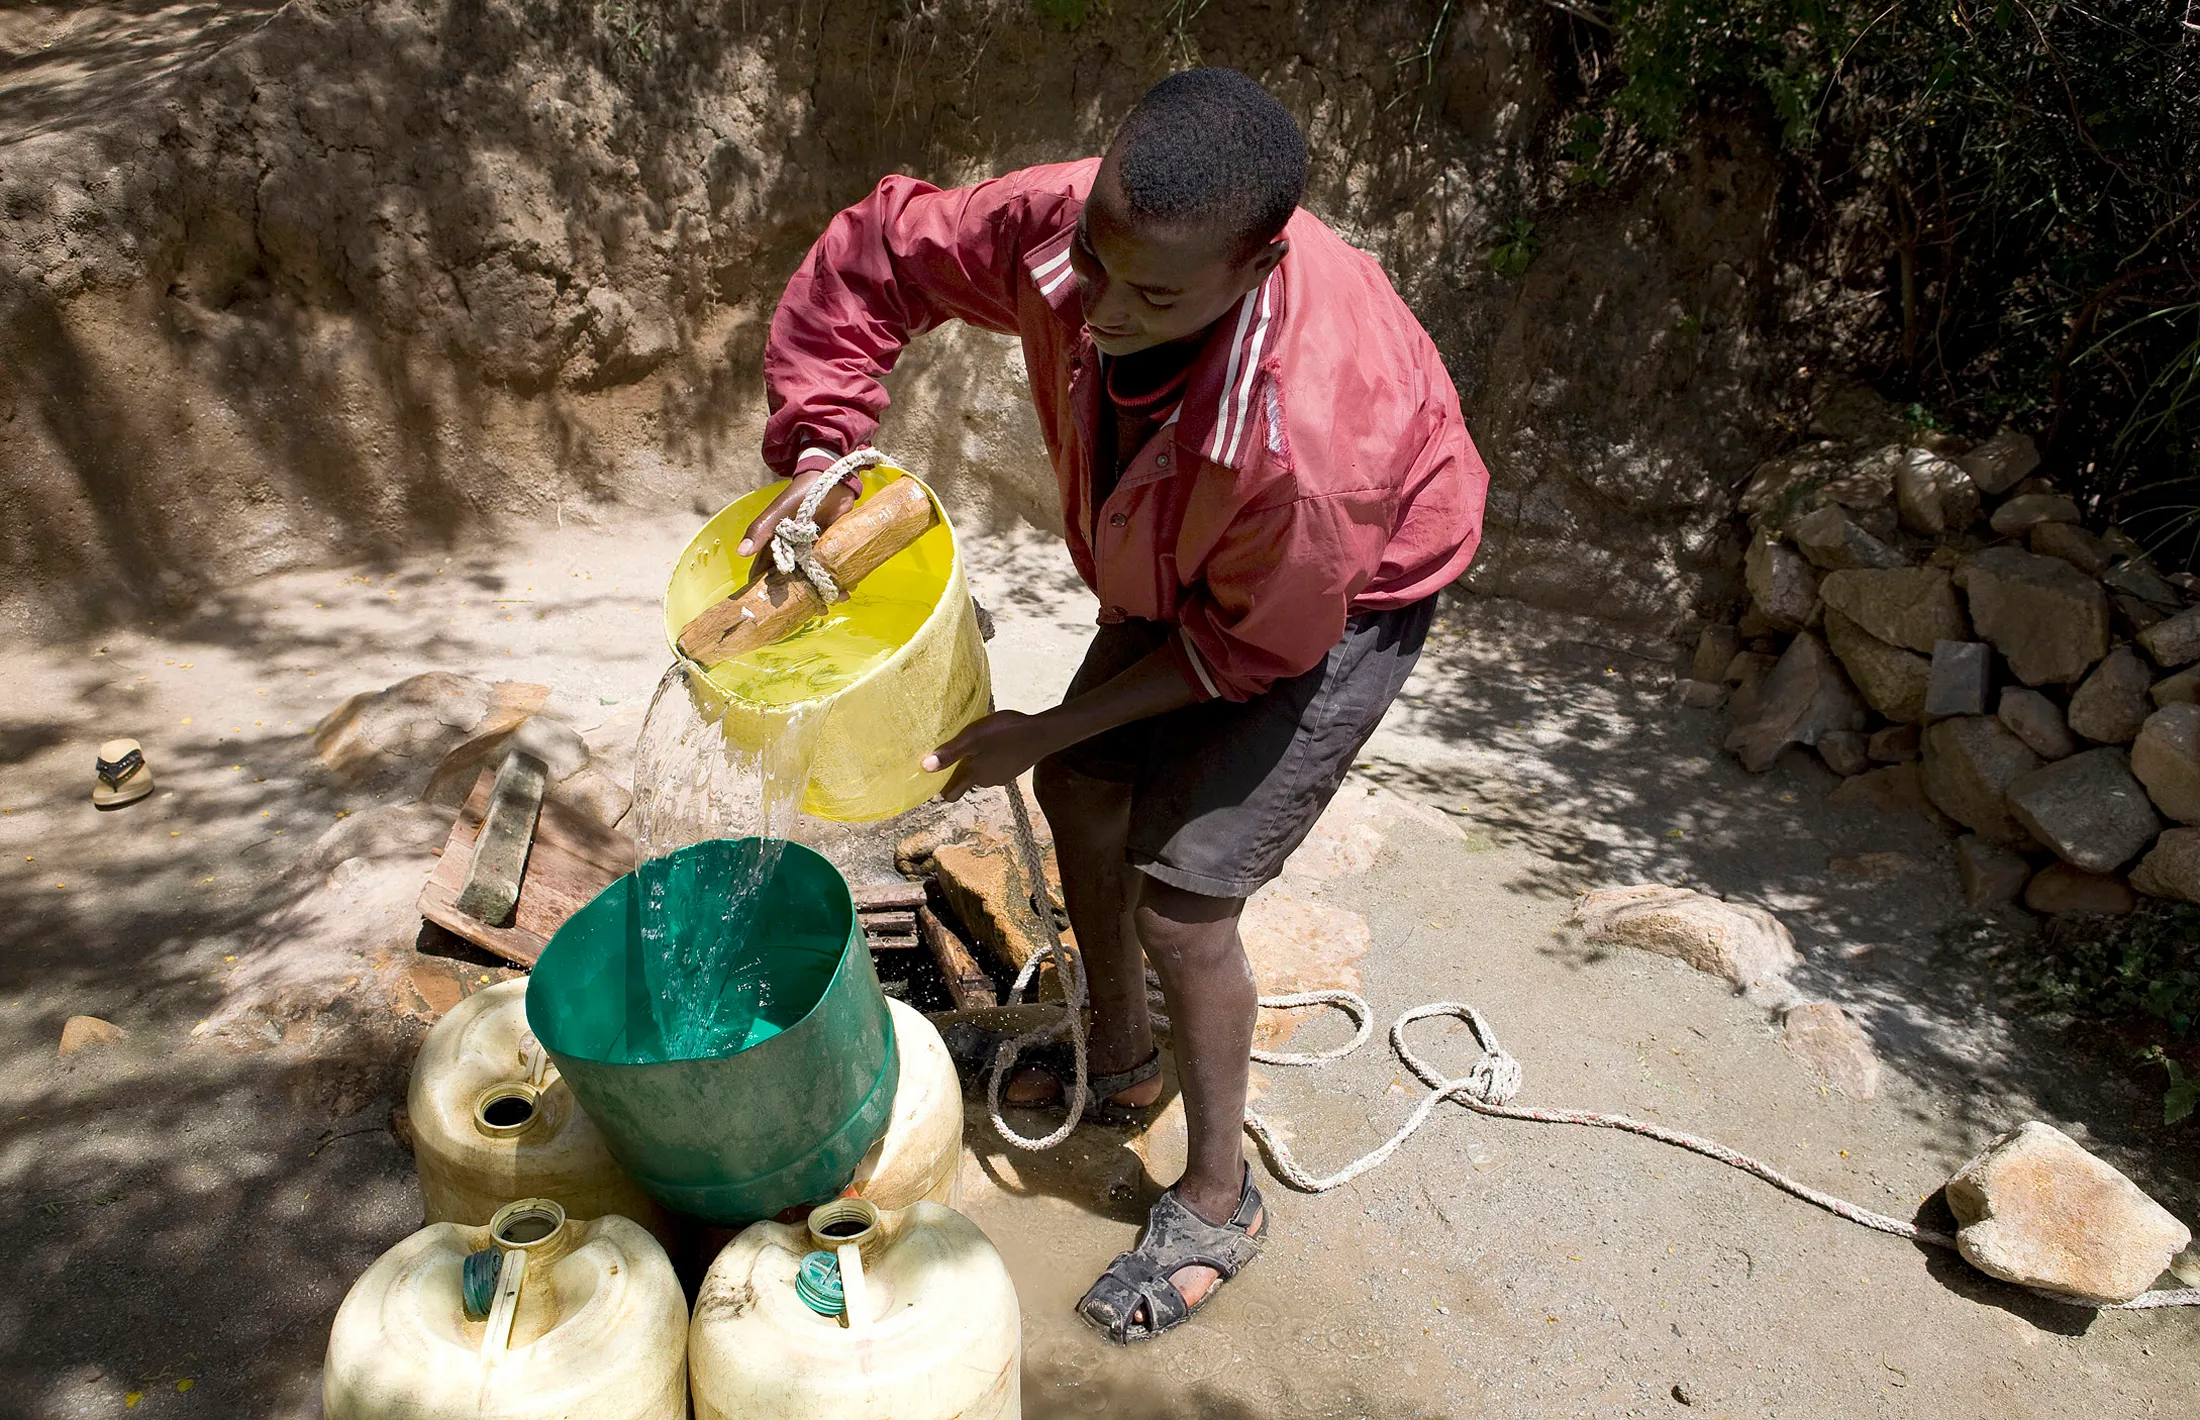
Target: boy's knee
x,y
1188,927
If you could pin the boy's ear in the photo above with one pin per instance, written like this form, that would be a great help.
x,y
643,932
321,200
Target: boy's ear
x,y
1266,259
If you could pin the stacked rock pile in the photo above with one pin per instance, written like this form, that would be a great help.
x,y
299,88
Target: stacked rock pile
x,y
1940,626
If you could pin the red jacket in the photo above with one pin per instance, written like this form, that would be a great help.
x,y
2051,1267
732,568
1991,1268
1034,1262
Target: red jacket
x,y
1317,465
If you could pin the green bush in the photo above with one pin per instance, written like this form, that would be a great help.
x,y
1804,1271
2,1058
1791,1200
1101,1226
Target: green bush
x,y
2144,965
2032,170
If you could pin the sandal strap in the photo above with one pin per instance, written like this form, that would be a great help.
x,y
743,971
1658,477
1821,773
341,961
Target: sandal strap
x,y
113,772
973,1052
1132,1281
1107,1087
1176,1237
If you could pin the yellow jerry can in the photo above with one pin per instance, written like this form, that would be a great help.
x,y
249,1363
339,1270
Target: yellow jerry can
x,y
858,1315
530,1318
492,1121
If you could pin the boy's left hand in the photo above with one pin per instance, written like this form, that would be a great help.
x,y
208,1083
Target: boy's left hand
x,y
993,751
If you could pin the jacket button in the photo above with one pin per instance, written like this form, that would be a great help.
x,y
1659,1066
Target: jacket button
x,y
1163,461
1117,520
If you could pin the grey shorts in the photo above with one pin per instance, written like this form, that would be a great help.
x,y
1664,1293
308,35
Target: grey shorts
x,y
1222,791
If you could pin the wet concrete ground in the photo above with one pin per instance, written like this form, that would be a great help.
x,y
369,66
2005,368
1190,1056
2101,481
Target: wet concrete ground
x,y
185,1214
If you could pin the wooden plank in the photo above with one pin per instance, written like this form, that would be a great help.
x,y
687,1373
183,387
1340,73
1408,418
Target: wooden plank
x,y
851,549
968,986
889,924
507,832
574,857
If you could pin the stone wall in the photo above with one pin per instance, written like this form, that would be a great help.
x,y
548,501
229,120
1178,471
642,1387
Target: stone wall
x,y
350,276
1939,625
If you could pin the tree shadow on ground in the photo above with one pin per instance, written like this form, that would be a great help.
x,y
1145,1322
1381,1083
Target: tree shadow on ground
x,y
1560,735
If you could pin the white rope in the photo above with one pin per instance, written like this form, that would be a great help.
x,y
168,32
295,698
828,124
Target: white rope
x,y
794,541
1488,1087
1070,1020
1495,1079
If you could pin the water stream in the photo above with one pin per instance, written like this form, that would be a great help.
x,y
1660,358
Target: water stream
x,y
694,782
727,758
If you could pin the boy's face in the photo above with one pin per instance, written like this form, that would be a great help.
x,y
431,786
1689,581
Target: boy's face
x,y
1147,286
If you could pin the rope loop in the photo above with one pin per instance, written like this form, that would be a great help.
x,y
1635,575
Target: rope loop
x,y
1355,1006
1071,1021
794,541
1489,1086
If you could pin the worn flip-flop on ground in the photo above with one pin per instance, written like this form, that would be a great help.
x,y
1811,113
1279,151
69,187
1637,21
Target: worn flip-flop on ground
x,y
972,1048
123,775
1175,1238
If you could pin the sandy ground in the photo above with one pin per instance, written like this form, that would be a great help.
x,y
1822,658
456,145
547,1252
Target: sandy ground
x,y
186,1212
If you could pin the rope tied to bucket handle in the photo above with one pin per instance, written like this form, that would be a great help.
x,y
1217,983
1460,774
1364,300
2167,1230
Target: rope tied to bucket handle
x,y
794,540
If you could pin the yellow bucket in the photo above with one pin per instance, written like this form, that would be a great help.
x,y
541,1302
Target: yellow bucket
x,y
893,671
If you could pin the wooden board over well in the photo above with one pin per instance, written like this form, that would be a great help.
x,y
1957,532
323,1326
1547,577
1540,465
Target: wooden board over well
x,y
573,859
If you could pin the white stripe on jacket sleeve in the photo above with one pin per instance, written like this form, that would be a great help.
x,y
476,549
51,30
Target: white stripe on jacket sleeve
x,y
1199,667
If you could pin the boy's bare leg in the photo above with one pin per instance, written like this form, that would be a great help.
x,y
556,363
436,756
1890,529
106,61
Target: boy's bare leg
x,y
1123,919
1091,819
1193,943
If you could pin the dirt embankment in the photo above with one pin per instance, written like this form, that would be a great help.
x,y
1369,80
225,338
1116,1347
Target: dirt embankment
x,y
352,276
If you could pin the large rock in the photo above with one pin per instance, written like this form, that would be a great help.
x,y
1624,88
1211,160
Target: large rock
x,y
515,722
2182,688
420,717
1990,875
1970,762
2111,705
1961,672
1893,789
1746,945
1746,673
983,879
2172,867
1715,651
2021,514
2001,462
2038,1210
2059,888
1829,540
84,1032
2166,757
2087,808
2073,544
1892,681
2036,720
1805,695
2045,616
1910,607
1934,496
1788,488
1896,744
2135,576
1824,1037
1843,751
1782,586
2174,642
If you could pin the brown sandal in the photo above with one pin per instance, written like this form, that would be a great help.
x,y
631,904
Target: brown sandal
x,y
1175,1238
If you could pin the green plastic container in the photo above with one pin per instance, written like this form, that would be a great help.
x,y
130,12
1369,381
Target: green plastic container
x,y
780,1122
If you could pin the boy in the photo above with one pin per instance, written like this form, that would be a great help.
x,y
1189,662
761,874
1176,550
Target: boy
x,y
1265,478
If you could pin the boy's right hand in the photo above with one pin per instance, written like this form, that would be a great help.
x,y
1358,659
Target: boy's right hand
x,y
759,532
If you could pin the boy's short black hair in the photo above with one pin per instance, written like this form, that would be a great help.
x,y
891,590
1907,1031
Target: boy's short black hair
x,y
1211,145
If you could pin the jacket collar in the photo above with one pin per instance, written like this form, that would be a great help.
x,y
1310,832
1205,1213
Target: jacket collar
x,y
1221,417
